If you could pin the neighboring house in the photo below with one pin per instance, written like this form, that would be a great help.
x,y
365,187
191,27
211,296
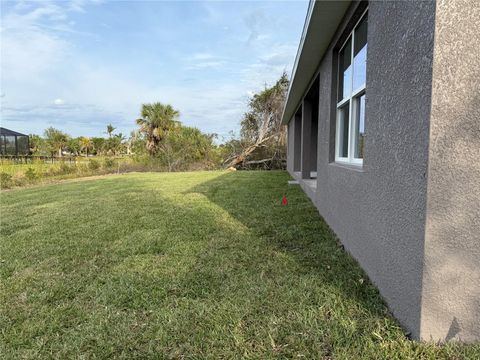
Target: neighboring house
x,y
13,143
383,115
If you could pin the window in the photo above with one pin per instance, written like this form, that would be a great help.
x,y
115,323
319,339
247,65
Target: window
x,y
352,74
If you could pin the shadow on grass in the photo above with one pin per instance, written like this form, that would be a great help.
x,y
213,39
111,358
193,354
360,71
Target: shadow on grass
x,y
296,229
147,266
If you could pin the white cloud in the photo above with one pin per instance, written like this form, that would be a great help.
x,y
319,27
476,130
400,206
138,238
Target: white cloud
x,y
202,56
29,53
30,48
205,64
39,54
200,61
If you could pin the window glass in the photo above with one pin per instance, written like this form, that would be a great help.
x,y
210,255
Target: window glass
x,y
345,66
343,130
360,55
360,126
352,74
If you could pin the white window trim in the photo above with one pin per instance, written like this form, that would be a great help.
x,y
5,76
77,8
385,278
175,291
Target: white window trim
x,y
339,158
352,110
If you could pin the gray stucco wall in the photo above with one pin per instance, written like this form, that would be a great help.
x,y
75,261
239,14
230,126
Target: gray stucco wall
x,y
411,214
294,144
378,211
290,145
451,279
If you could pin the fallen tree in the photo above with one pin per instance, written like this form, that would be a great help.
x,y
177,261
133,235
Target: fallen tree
x,y
240,159
262,135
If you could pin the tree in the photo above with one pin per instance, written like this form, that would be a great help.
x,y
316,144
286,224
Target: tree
x,y
114,144
86,144
55,140
73,146
156,121
186,145
262,131
110,130
37,144
98,145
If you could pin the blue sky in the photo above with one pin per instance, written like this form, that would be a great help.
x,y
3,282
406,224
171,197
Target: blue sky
x,y
79,65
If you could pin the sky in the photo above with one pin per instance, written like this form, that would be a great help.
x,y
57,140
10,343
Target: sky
x,y
80,65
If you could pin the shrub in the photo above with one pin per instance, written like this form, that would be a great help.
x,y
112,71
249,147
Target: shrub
x,y
65,168
93,165
61,169
19,179
108,163
30,174
5,180
51,171
82,168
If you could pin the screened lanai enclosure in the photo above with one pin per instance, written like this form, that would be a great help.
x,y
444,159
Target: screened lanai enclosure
x,y
13,143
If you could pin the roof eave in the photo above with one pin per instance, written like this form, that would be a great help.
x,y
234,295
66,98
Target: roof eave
x,y
8,132
323,18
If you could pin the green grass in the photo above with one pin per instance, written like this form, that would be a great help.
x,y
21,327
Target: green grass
x,y
186,265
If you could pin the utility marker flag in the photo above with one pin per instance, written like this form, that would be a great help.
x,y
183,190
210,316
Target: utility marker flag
x,y
284,200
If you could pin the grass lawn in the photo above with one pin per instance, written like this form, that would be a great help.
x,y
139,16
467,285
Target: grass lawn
x,y
186,265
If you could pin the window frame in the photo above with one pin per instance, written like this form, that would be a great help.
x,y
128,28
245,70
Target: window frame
x,y
351,100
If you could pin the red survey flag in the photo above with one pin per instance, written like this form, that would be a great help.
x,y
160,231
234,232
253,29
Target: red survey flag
x,y
284,200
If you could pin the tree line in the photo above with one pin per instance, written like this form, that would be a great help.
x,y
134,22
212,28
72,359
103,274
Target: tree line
x,y
55,142
162,138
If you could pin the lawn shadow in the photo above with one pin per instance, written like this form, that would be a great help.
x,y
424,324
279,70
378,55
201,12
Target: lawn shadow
x,y
295,229
149,270
209,264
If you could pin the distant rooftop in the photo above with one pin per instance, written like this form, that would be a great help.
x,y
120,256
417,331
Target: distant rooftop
x,y
8,132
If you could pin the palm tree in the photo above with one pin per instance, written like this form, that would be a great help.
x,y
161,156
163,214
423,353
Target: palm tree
x,y
85,144
156,121
110,130
114,144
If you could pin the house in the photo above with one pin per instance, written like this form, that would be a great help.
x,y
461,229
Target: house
x,y
384,137
13,143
